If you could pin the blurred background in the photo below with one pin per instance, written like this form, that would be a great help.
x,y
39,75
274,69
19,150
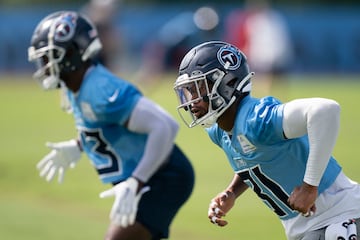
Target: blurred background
x,y
297,49
323,36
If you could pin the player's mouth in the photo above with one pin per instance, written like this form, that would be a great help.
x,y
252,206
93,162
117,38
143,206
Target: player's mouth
x,y
197,112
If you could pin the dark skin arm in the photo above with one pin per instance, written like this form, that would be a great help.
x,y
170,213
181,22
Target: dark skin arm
x,y
224,201
303,198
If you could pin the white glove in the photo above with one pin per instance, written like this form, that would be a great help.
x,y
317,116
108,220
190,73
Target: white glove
x,y
126,202
62,156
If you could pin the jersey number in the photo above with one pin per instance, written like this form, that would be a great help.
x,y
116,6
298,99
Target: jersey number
x,y
101,148
268,190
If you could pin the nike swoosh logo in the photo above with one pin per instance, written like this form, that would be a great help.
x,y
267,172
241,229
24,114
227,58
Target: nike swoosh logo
x,y
114,96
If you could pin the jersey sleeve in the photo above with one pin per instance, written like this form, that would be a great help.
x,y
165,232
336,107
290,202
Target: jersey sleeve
x,y
266,121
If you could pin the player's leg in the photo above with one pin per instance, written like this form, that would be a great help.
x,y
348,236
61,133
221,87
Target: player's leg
x,y
136,231
170,188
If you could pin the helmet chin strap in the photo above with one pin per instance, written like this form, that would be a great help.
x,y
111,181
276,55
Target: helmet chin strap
x,y
209,121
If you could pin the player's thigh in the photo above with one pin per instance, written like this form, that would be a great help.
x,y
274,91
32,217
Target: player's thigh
x,y
170,189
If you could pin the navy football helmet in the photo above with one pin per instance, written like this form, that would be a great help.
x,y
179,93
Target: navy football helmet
x,y
62,42
216,72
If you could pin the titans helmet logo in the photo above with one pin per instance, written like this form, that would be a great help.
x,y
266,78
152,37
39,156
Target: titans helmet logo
x,y
229,55
65,28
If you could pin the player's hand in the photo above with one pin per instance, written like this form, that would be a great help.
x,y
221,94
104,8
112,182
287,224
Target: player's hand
x,y
63,155
219,206
303,199
127,197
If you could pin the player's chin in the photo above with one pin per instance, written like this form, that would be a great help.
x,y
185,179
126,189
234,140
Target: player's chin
x,y
198,114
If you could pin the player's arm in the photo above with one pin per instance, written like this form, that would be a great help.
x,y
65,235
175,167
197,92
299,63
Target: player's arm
x,y
149,118
320,119
224,201
236,187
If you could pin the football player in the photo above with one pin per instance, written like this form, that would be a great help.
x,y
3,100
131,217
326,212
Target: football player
x,y
128,138
282,151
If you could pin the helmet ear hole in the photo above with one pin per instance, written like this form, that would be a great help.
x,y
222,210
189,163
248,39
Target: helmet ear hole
x,y
227,86
231,83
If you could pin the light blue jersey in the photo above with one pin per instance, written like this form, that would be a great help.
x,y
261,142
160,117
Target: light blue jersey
x,y
268,162
101,108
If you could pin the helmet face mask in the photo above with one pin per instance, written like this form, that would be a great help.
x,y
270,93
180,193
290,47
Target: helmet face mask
x,y
47,61
61,43
201,87
214,72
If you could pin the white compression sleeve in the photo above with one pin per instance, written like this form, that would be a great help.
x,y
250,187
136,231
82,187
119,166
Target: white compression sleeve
x,y
147,117
320,119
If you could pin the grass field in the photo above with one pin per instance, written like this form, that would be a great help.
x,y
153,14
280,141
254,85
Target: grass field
x,y
33,209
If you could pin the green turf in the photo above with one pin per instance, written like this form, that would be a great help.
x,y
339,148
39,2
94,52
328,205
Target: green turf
x,y
33,209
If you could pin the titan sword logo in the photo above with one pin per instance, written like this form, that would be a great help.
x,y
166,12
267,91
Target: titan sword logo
x,y
231,55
